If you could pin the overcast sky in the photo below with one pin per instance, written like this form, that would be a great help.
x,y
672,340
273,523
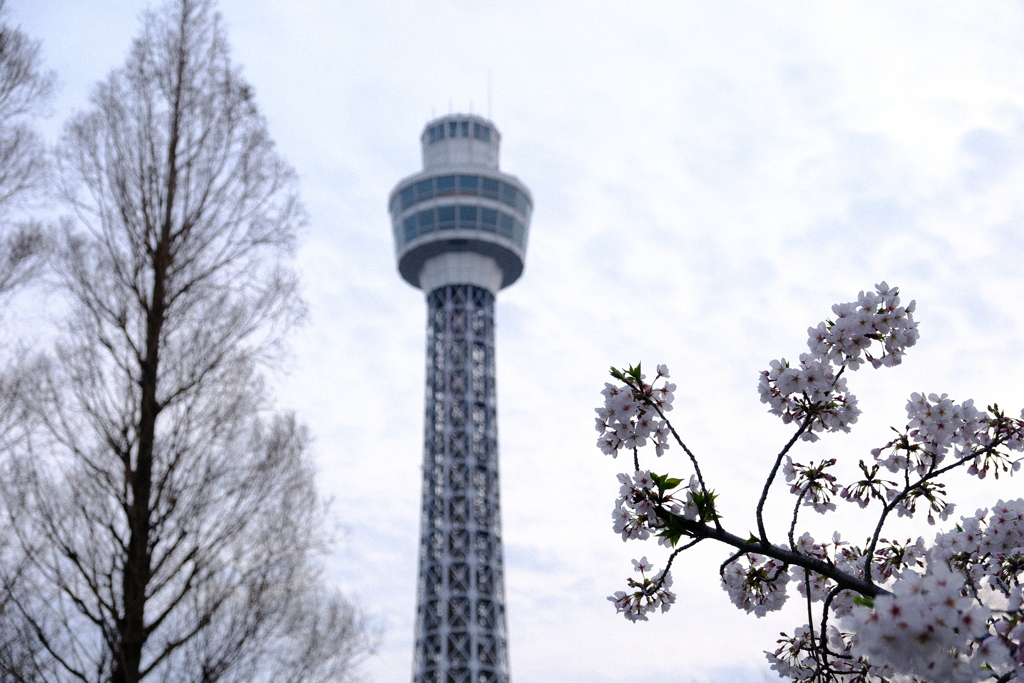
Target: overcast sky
x,y
708,178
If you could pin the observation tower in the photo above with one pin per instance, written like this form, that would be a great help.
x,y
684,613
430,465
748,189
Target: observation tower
x,y
460,228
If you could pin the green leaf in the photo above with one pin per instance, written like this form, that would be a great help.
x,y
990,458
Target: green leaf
x,y
664,482
864,601
672,536
706,506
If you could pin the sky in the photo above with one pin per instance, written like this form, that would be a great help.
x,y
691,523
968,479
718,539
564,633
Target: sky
x,y
708,179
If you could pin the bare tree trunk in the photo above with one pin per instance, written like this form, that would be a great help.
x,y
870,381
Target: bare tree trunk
x,y
137,574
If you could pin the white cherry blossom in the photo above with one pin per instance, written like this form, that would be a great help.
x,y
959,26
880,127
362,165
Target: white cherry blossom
x,y
889,609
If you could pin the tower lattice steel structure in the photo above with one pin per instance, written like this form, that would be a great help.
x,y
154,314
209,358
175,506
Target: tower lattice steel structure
x,y
460,230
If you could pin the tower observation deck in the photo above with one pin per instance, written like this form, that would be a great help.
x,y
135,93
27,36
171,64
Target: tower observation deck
x,y
460,229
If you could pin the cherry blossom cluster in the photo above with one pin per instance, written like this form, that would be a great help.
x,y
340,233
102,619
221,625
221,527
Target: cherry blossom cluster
x,y
905,500
813,390
889,560
794,658
871,487
636,508
987,549
875,317
932,626
899,610
989,545
892,558
647,595
810,390
798,657
818,585
928,627
634,412
756,583
1010,628
814,485
936,425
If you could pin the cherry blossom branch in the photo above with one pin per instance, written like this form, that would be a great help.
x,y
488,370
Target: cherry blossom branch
x,y
657,585
931,621
796,513
679,440
824,620
810,609
700,531
775,470
989,449
729,560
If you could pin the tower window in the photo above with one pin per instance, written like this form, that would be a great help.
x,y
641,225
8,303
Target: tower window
x,y
489,220
426,221
453,128
424,189
407,198
435,133
465,129
474,185
445,185
508,195
522,204
467,217
446,218
481,132
506,226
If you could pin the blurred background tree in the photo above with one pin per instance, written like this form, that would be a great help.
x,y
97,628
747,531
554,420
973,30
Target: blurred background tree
x,y
25,90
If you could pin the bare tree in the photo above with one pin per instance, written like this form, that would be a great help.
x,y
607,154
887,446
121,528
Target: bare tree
x,y
24,93
166,519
